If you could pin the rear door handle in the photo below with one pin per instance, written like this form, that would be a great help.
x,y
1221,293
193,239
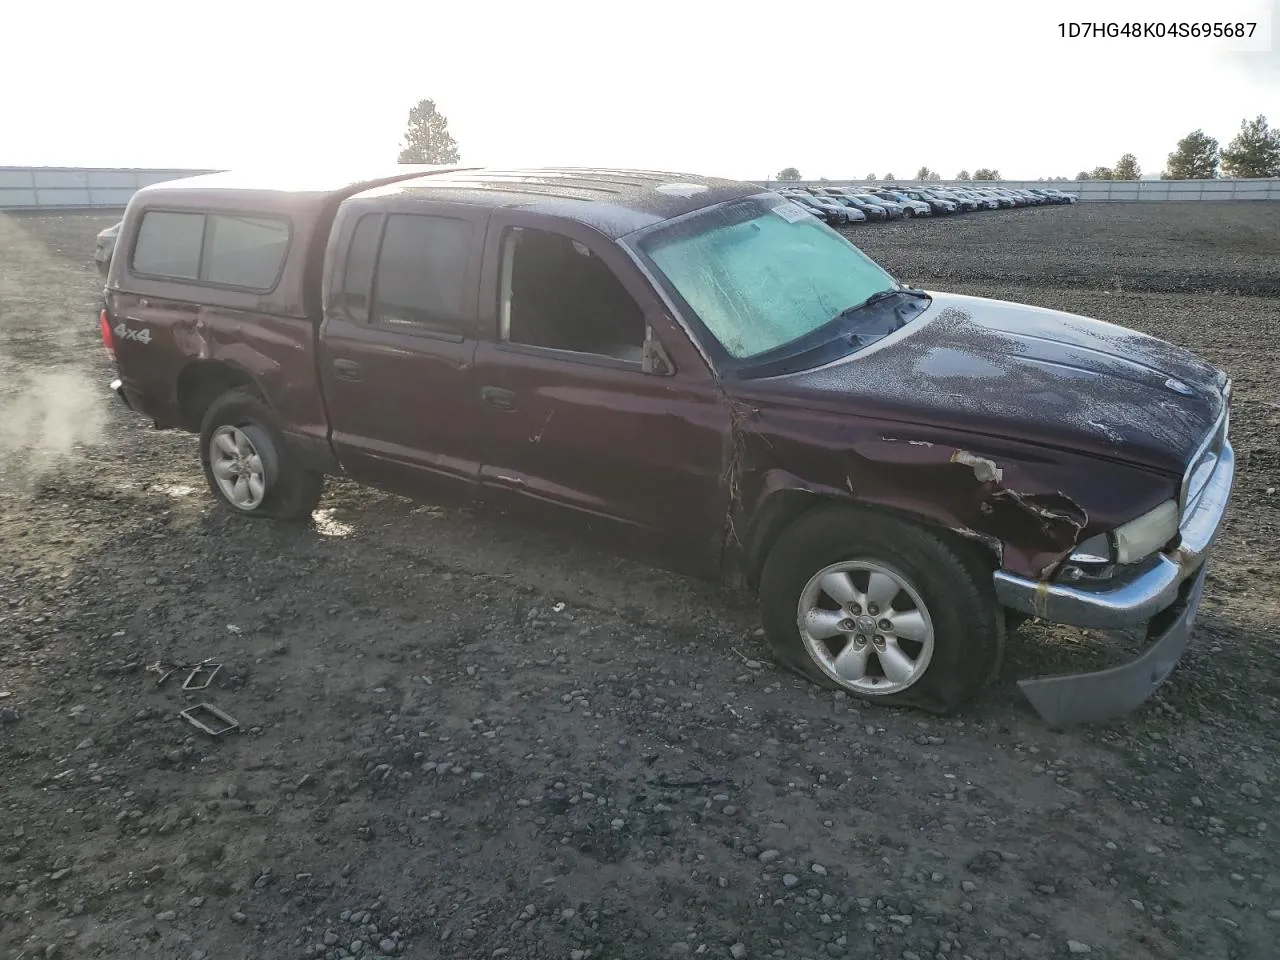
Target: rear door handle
x,y
498,397
346,369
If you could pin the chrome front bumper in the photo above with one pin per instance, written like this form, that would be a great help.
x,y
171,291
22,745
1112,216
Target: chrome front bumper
x,y
1165,594
1138,598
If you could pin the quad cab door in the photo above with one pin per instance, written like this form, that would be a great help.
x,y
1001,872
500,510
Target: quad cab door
x,y
594,402
397,345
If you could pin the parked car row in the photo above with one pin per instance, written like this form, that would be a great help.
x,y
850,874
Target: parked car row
x,y
842,205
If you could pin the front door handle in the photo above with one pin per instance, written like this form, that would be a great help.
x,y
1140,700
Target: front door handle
x,y
498,397
346,369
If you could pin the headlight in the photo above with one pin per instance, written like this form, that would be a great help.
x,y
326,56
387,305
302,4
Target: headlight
x,y
1134,540
1147,534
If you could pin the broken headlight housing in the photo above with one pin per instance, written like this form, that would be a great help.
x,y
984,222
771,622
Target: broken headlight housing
x,y
1132,541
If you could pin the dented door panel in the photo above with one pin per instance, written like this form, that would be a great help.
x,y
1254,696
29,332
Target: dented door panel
x,y
641,452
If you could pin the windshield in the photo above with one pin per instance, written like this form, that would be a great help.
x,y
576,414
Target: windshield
x,y
866,198
761,275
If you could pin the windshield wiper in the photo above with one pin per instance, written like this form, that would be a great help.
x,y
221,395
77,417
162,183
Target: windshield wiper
x,y
870,327
881,295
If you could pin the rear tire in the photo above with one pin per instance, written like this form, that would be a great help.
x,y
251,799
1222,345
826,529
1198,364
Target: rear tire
x,y
940,631
247,464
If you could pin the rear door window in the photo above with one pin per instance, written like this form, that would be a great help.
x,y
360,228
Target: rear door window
x,y
244,251
421,272
169,245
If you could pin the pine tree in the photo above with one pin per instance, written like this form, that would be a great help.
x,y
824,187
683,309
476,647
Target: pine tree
x,y
1255,151
1196,158
427,138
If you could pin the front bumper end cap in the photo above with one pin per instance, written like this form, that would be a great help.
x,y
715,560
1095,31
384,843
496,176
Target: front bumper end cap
x,y
1072,699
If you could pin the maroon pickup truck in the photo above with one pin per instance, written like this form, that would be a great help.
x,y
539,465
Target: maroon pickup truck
x,y
701,367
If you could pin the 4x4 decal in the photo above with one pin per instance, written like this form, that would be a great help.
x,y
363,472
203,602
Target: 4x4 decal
x,y
124,333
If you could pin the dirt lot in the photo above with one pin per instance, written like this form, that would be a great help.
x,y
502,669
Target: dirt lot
x,y
470,739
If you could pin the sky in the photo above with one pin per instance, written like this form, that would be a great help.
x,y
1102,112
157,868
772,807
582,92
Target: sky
x,y
836,89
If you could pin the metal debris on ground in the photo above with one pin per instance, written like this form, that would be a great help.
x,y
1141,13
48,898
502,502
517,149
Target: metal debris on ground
x,y
201,675
196,716
164,669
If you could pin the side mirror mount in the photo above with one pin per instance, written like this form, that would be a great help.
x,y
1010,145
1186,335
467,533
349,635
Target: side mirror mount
x,y
655,360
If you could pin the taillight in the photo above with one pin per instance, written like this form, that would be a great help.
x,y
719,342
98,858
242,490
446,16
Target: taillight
x,y
108,338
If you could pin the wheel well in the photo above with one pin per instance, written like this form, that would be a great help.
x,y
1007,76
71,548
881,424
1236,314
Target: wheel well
x,y
784,508
202,382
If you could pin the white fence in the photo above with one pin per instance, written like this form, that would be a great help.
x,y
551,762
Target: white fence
x,y
1092,189
51,188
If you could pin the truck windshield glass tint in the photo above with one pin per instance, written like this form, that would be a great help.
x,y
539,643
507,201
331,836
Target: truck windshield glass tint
x,y
421,271
169,245
760,276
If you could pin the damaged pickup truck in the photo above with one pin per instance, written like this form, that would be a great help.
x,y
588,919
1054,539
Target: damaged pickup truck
x,y
701,367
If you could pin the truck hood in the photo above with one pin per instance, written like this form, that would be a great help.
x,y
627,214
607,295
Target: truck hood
x,y
1031,374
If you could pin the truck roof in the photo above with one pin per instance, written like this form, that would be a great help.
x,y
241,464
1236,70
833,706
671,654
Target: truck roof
x,y
281,189
614,202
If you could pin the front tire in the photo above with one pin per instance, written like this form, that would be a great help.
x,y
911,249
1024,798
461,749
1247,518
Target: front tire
x,y
247,464
889,612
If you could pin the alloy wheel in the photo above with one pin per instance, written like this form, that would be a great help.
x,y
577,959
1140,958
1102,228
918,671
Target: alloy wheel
x,y
237,467
866,627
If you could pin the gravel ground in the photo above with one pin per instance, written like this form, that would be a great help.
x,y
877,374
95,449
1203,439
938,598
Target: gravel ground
x,y
465,738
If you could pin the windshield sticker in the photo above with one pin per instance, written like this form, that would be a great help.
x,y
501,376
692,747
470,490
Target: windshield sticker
x,y
791,212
